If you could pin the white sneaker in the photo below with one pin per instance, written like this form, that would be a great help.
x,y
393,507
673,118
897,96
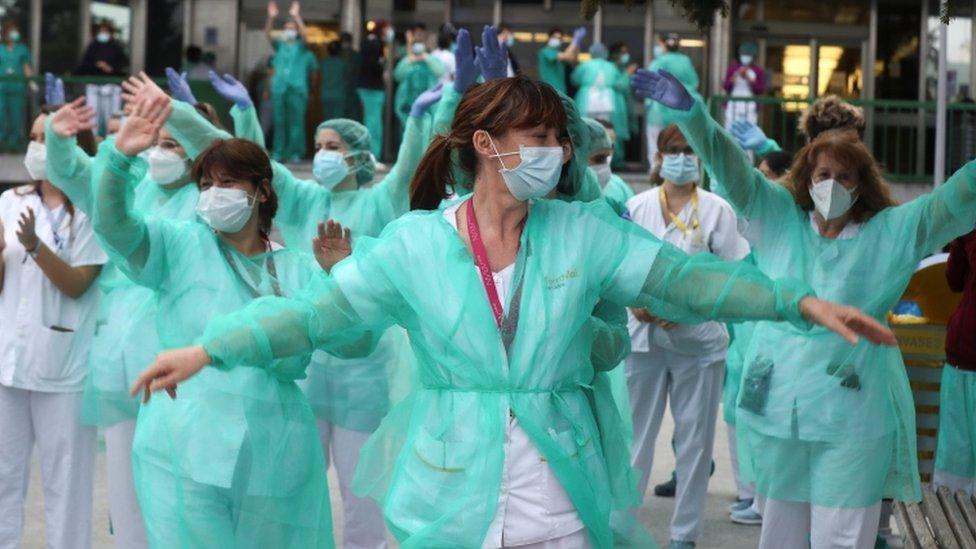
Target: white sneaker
x,y
746,516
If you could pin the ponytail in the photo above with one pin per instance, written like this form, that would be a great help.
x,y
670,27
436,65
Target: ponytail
x,y
429,186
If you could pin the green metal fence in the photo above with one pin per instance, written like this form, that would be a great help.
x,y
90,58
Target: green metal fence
x,y
901,134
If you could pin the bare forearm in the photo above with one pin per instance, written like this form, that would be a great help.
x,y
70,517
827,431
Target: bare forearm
x,y
71,281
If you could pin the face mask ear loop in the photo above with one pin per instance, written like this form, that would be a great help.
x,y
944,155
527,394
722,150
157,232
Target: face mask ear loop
x,y
497,154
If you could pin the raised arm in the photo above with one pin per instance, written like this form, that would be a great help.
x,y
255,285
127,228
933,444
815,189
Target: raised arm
x,y
945,213
749,192
245,116
295,11
68,166
269,22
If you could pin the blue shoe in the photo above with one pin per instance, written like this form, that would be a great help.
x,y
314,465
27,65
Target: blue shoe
x,y
746,516
675,544
740,504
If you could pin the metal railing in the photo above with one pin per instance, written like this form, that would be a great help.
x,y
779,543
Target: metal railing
x,y
900,134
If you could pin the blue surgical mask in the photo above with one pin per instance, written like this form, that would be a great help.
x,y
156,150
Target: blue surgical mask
x,y
418,48
290,34
103,37
658,50
745,59
554,42
329,168
624,58
510,41
680,169
14,36
536,175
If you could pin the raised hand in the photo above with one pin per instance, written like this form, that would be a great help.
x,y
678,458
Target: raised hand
x,y
663,87
749,135
139,86
179,87
492,57
53,90
169,369
465,71
424,101
578,35
332,245
295,10
272,9
140,130
847,322
25,232
231,89
73,118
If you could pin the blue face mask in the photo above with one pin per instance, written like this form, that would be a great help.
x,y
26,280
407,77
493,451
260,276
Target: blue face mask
x,y
418,48
329,168
536,175
680,169
14,36
103,37
510,41
658,50
624,59
290,34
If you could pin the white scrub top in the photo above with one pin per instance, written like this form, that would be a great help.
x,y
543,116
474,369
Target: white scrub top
x,y
532,505
717,234
446,57
46,335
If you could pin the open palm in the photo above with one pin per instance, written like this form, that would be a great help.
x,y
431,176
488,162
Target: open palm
x,y
72,118
332,245
140,130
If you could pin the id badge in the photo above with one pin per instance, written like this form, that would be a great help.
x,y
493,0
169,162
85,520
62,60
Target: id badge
x,y
755,386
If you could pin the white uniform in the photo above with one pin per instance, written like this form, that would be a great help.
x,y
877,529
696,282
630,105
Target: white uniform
x,y
43,356
534,511
683,364
446,57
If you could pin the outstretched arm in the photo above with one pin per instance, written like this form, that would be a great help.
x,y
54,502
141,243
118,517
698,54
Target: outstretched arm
x,y
68,166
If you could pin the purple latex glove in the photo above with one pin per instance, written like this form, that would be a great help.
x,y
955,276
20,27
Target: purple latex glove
x,y
749,135
663,87
492,57
425,100
179,88
53,90
231,89
465,71
578,35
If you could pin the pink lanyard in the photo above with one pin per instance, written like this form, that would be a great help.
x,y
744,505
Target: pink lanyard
x,y
484,268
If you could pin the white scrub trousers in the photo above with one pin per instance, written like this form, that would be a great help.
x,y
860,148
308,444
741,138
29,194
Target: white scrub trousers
x,y
743,490
363,525
66,451
694,390
798,524
123,506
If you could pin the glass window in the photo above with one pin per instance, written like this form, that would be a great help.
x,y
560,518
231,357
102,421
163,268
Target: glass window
x,y
839,71
840,12
958,54
896,66
60,35
164,36
17,12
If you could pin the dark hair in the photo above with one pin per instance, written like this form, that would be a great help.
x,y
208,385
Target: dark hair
x,y
672,42
496,106
193,53
778,162
617,47
502,27
242,160
105,24
873,194
669,136
446,36
831,113
554,30
334,48
208,111
418,27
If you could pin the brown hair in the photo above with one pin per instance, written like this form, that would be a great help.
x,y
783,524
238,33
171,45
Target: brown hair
x,y
244,161
496,107
873,194
208,111
831,113
670,136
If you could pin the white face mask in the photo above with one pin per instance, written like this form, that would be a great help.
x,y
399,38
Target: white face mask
x,y
554,42
536,175
291,34
418,48
35,161
603,173
165,166
831,199
658,50
745,59
329,168
225,209
680,169
103,37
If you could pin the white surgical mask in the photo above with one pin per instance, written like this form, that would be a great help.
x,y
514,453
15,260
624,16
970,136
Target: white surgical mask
x,y
658,50
745,59
680,169
329,168
536,175
390,35
103,37
225,209
14,36
831,199
418,48
554,42
35,161
165,166
603,173
291,34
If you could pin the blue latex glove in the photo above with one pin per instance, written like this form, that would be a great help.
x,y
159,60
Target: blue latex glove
x,y
578,35
749,135
491,58
53,90
231,89
179,88
425,100
465,71
663,87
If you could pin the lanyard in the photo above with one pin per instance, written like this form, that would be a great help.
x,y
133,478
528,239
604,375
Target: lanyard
x,y
506,325
677,220
255,289
55,223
